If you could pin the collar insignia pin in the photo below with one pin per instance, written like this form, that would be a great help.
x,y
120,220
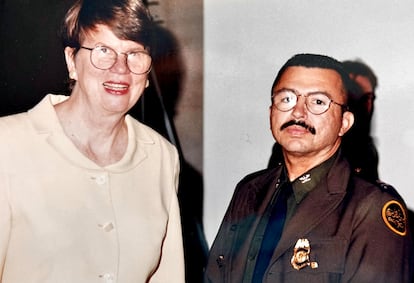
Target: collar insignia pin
x,y
305,178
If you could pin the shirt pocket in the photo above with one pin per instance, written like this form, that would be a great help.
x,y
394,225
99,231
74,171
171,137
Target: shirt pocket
x,y
329,254
326,263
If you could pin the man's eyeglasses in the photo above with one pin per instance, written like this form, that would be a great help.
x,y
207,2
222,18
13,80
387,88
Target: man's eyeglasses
x,y
316,102
103,58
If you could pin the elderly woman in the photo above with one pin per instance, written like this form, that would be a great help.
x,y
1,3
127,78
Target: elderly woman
x,y
87,193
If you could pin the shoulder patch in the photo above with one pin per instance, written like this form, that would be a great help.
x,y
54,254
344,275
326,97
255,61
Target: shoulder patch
x,y
395,217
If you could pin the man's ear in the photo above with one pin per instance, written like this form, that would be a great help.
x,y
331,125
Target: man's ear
x,y
70,62
347,122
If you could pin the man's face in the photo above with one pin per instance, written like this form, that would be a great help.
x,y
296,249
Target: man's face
x,y
313,135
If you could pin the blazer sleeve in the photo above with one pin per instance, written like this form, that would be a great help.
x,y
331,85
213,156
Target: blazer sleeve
x,y
171,266
381,249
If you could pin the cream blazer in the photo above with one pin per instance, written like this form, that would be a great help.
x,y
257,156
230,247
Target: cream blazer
x,y
65,219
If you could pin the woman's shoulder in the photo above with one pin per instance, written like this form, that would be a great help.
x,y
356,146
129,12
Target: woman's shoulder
x,y
145,134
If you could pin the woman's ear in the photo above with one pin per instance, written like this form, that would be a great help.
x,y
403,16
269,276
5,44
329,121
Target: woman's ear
x,y
70,62
347,122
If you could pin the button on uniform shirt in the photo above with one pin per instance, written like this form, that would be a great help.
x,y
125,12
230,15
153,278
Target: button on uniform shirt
x,y
65,219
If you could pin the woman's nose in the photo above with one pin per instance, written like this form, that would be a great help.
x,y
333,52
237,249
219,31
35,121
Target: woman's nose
x,y
121,64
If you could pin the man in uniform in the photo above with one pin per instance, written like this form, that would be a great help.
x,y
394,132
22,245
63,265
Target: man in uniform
x,y
310,219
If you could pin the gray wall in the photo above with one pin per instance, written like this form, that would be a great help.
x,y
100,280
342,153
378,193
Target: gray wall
x,y
246,42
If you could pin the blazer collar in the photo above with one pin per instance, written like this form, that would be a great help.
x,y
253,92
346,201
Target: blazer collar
x,y
45,122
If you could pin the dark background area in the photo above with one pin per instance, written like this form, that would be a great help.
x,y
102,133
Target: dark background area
x,y
31,56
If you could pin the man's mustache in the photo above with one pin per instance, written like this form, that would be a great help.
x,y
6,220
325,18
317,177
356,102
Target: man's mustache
x,y
311,129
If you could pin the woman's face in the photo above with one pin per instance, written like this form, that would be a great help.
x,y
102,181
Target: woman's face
x,y
110,91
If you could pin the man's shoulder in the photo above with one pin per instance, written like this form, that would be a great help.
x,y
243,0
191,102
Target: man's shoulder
x,y
379,187
384,198
388,188
250,193
260,176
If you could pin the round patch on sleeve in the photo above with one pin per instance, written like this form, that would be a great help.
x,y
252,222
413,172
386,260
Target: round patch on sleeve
x,y
394,216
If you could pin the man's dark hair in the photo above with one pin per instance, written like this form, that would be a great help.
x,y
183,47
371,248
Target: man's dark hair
x,y
316,61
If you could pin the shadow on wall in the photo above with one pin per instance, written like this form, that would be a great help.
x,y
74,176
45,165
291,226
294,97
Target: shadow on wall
x,y
32,65
156,108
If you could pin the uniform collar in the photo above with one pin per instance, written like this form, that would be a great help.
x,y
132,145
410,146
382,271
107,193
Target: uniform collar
x,y
308,181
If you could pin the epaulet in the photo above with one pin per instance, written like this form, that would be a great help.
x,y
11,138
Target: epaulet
x,y
394,212
385,187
